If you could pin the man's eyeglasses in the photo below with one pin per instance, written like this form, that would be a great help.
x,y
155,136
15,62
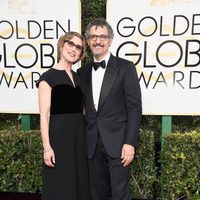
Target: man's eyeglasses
x,y
101,37
71,45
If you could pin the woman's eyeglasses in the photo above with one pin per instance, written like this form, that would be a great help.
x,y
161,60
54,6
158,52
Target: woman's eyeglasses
x,y
72,45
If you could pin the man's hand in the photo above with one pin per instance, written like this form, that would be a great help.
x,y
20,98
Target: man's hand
x,y
127,155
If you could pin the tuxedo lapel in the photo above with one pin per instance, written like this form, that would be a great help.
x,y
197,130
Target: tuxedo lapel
x,y
108,80
88,82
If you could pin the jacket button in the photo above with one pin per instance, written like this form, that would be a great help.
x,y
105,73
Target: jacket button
x,y
98,118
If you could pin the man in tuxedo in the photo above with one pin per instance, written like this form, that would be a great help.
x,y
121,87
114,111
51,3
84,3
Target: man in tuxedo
x,y
113,114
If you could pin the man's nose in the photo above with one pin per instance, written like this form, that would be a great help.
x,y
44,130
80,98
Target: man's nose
x,y
98,40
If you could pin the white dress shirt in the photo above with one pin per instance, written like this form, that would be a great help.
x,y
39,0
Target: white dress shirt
x,y
97,79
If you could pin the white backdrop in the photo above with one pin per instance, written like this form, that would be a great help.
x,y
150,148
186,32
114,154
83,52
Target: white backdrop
x,y
29,30
163,38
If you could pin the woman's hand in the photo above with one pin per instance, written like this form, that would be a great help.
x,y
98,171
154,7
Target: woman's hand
x,y
49,157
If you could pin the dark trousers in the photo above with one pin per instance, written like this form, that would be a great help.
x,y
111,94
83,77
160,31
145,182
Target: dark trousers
x,y
109,179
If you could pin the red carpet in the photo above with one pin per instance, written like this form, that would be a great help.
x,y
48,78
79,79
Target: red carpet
x,y
19,196
29,196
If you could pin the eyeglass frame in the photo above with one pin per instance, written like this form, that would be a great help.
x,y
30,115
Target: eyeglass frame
x,y
102,37
71,44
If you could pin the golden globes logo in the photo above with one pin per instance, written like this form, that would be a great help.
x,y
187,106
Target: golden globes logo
x,y
166,2
156,44
22,7
26,48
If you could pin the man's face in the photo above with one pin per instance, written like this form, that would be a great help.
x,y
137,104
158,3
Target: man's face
x,y
99,41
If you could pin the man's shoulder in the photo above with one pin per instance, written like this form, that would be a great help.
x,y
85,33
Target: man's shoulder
x,y
122,62
84,68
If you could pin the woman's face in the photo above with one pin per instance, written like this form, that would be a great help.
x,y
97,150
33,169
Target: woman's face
x,y
72,49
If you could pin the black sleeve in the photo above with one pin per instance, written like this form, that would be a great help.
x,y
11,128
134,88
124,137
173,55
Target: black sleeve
x,y
45,77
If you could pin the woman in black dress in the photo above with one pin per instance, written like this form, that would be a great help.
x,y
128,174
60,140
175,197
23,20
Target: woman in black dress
x,y
65,172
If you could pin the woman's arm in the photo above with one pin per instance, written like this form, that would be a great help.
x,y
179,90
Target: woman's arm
x,y
44,107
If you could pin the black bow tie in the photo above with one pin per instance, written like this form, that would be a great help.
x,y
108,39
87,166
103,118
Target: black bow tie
x,y
102,64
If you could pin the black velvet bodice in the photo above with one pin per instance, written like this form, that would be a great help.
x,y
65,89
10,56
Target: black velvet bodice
x,y
65,97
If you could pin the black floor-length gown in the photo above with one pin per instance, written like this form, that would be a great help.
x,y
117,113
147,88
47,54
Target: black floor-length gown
x,y
68,180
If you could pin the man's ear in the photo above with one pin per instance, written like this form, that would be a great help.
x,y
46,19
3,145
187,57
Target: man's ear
x,y
110,42
88,42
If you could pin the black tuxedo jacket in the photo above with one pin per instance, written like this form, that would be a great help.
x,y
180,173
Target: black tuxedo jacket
x,y
118,117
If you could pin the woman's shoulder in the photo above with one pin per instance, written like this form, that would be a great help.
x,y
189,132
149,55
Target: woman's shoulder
x,y
47,76
48,72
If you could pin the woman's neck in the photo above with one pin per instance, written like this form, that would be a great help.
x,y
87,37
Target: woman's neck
x,y
63,66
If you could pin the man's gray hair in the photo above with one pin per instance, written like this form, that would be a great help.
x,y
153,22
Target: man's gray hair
x,y
99,22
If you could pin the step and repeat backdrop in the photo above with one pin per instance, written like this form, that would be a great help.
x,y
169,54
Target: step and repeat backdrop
x,y
162,38
29,31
